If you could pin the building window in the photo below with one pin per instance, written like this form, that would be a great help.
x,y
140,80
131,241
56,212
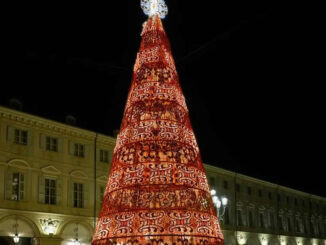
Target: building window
x,y
289,224
297,225
270,195
303,204
237,187
249,190
78,195
50,191
226,216
304,225
104,156
20,137
260,193
261,220
239,218
51,144
271,220
280,223
251,219
312,227
17,187
295,202
278,197
212,181
225,184
287,199
79,150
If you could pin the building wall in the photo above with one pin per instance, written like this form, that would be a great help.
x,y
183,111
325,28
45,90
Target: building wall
x,y
36,163
269,205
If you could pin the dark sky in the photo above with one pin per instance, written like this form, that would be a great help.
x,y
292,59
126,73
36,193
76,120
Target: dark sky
x,y
245,70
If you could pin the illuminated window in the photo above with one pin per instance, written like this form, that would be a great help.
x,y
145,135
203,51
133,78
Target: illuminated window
x,y
78,195
17,186
104,156
79,150
51,144
50,191
20,137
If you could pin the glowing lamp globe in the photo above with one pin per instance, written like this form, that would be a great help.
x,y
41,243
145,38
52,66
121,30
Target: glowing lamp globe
x,y
224,201
16,238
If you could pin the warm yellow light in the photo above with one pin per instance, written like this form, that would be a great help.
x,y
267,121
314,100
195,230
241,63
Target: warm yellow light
x,y
264,239
283,240
242,238
16,238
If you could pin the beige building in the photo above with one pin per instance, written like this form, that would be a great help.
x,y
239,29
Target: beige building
x,y
48,192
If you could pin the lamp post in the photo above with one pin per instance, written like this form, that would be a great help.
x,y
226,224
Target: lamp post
x,y
76,241
16,238
219,202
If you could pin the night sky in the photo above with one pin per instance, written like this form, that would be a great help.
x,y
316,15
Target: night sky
x,y
245,70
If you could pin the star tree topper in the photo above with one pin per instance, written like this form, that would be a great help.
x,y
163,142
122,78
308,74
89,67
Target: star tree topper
x,y
154,7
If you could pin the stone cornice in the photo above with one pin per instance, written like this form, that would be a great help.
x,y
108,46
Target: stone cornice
x,y
212,169
53,126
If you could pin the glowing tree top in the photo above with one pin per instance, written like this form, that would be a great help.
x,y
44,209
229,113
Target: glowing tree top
x,y
157,192
154,7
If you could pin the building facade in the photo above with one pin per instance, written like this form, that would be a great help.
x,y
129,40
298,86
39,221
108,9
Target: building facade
x,y
53,177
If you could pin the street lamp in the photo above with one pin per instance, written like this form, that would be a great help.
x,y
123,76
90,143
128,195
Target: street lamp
x,y
219,202
16,238
76,241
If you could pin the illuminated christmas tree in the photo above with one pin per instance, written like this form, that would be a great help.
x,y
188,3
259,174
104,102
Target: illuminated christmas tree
x,y
157,191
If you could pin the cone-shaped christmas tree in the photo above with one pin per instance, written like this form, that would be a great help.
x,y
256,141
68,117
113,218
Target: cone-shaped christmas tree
x,y
157,191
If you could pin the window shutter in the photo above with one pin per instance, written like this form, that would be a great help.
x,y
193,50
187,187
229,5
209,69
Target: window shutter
x,y
42,141
98,155
8,191
60,145
29,137
22,187
41,191
59,192
110,156
11,134
87,150
71,193
71,148
86,196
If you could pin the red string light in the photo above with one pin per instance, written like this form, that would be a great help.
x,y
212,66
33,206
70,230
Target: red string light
x,y
157,191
